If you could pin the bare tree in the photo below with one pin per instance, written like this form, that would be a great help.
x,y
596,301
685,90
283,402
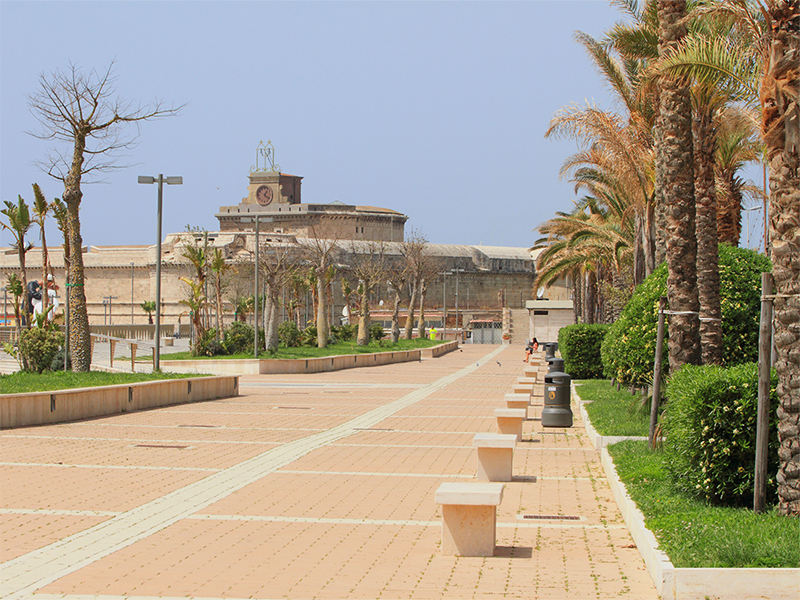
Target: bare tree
x,y
421,267
81,109
397,276
278,265
369,267
320,248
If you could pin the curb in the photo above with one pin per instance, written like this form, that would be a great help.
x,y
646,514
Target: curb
x,y
687,583
597,440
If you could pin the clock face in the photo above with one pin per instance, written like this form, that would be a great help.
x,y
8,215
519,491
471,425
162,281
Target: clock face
x,y
264,195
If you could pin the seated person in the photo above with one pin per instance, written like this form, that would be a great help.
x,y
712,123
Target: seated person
x,y
530,347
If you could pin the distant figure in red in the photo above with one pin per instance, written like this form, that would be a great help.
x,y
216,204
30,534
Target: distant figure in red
x,y
530,347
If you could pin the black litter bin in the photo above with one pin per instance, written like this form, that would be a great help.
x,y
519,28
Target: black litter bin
x,y
550,350
557,411
556,365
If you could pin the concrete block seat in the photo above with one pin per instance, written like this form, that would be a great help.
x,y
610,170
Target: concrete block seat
x,y
495,456
509,420
469,517
517,400
523,384
531,372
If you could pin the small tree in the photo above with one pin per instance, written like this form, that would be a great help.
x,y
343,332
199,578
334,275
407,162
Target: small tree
x,y
149,306
41,208
397,277
369,266
418,262
321,248
219,268
278,266
18,222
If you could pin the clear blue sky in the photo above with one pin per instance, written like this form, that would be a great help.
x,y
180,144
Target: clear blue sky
x,y
434,109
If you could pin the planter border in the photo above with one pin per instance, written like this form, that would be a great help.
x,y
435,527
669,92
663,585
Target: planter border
x,y
687,583
284,366
76,404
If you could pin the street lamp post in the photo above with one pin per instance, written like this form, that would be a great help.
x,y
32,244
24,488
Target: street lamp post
x,y
444,304
131,296
160,180
256,219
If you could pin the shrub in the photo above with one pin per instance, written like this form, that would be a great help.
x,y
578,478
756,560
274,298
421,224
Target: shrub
x,y
289,334
208,345
57,364
628,350
308,337
38,346
238,338
376,331
580,347
343,333
710,425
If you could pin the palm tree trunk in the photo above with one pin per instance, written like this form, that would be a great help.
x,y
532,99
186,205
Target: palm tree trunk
x,y
729,209
650,263
781,129
577,296
79,337
711,342
676,163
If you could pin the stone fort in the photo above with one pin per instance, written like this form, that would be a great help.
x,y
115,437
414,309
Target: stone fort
x,y
481,280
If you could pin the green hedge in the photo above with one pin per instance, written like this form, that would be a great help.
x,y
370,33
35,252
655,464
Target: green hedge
x,y
710,426
628,350
579,345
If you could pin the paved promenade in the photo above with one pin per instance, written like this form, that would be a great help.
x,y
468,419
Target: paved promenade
x,y
313,486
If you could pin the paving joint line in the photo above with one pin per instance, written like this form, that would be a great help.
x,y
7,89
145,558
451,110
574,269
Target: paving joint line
x,y
22,576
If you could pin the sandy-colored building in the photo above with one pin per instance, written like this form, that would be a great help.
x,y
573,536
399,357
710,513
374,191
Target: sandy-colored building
x,y
481,280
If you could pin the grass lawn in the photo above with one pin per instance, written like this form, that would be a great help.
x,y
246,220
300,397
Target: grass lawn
x,y
20,382
614,412
694,534
313,352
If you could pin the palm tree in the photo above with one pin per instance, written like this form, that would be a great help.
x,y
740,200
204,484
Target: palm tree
x,y
40,210
18,222
762,66
675,162
780,102
738,144
218,267
149,306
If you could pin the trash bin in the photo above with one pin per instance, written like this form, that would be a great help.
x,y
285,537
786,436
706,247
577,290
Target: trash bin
x,y
557,411
550,350
556,365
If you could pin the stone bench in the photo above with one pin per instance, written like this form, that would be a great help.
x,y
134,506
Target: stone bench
x,y
495,456
531,372
469,517
509,421
517,400
524,384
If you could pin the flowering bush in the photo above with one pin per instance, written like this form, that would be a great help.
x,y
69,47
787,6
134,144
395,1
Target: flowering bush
x,y
629,348
710,426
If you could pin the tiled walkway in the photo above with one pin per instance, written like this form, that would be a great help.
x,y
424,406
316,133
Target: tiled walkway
x,y
315,486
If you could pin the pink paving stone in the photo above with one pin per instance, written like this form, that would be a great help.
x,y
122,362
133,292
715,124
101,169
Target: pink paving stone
x,y
369,475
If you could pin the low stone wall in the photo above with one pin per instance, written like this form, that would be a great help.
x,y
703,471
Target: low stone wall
x,y
302,365
59,406
440,350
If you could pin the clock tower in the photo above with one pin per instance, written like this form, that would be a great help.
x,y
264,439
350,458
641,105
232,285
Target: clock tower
x,y
268,186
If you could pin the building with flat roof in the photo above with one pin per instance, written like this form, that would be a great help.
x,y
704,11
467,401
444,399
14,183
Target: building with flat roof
x,y
275,198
